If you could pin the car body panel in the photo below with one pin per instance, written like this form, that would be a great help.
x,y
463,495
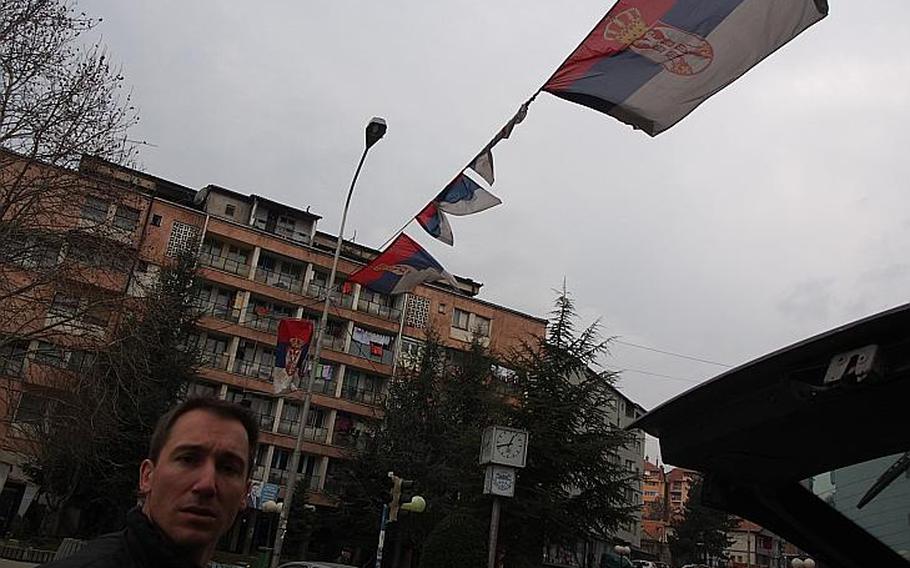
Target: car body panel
x,y
758,430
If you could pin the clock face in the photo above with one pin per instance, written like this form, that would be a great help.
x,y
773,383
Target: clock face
x,y
510,446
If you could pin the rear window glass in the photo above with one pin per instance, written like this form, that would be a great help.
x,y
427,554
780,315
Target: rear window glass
x,y
884,486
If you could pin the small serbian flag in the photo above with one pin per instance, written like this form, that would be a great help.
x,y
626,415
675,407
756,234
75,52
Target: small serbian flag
x,y
294,336
434,222
400,268
464,196
649,63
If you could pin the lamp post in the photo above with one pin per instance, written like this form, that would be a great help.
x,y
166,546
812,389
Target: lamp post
x,y
375,130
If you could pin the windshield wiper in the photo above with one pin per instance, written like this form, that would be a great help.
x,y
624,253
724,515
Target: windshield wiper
x,y
885,479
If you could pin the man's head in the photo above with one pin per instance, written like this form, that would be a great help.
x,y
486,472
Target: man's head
x,y
196,476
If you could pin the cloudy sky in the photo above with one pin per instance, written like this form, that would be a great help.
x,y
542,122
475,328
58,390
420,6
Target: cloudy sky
x,y
775,211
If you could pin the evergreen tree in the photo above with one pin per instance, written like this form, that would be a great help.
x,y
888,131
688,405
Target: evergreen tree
x,y
431,430
700,532
572,487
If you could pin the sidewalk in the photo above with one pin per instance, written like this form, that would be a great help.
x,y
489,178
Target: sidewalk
x,y
4,563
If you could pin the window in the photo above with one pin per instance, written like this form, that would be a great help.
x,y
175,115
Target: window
x,y
630,409
12,358
229,210
126,218
80,360
204,390
65,305
49,354
97,314
95,209
481,326
156,220
32,410
460,319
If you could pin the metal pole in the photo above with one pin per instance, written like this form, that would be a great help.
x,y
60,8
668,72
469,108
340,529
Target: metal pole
x,y
494,534
314,362
382,524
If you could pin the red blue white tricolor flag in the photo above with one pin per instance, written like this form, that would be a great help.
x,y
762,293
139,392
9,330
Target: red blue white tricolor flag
x,y
463,196
434,222
294,336
649,63
400,268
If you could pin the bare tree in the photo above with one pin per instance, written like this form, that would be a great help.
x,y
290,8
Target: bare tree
x,y
67,237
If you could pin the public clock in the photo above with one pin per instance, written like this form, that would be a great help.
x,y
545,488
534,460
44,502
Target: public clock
x,y
504,446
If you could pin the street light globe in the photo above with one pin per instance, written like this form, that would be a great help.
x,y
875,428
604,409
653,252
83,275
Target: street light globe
x,y
808,563
797,563
272,507
375,130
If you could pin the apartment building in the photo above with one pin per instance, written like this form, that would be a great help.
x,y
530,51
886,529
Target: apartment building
x,y
655,512
679,482
261,261
620,412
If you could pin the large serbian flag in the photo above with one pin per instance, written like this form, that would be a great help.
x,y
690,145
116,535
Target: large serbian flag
x,y
649,63
294,336
400,268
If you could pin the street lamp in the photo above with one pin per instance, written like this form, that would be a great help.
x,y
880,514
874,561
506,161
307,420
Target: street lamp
x,y
375,130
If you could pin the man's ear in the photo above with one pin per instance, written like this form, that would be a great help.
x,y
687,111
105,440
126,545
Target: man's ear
x,y
146,473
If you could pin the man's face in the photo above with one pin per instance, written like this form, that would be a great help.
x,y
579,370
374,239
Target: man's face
x,y
199,482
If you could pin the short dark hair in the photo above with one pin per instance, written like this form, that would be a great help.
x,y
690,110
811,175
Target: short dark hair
x,y
221,408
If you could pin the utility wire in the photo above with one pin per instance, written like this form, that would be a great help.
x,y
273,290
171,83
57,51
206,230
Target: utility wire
x,y
630,370
672,354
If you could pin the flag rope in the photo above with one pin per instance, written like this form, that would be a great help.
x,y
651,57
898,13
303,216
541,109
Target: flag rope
x,y
495,140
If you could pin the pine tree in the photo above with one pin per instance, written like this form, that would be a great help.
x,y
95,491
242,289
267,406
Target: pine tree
x,y
434,417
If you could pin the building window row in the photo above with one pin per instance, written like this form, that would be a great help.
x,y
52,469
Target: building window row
x,y
287,274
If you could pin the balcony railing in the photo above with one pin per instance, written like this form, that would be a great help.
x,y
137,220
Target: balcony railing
x,y
362,395
263,322
224,263
377,309
316,434
322,386
218,311
349,440
215,361
266,421
258,472
317,290
296,236
279,280
364,351
278,476
335,343
291,427
254,369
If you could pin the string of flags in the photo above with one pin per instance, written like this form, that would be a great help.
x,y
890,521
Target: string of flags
x,y
648,63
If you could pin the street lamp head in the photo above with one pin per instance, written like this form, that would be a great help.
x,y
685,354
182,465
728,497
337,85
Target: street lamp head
x,y
375,130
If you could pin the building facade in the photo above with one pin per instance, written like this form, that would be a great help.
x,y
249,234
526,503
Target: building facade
x,y
620,412
259,261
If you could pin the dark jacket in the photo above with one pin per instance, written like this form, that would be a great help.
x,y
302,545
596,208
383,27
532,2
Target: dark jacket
x,y
140,545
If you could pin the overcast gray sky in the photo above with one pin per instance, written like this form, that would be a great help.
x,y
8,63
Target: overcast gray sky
x,y
778,209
